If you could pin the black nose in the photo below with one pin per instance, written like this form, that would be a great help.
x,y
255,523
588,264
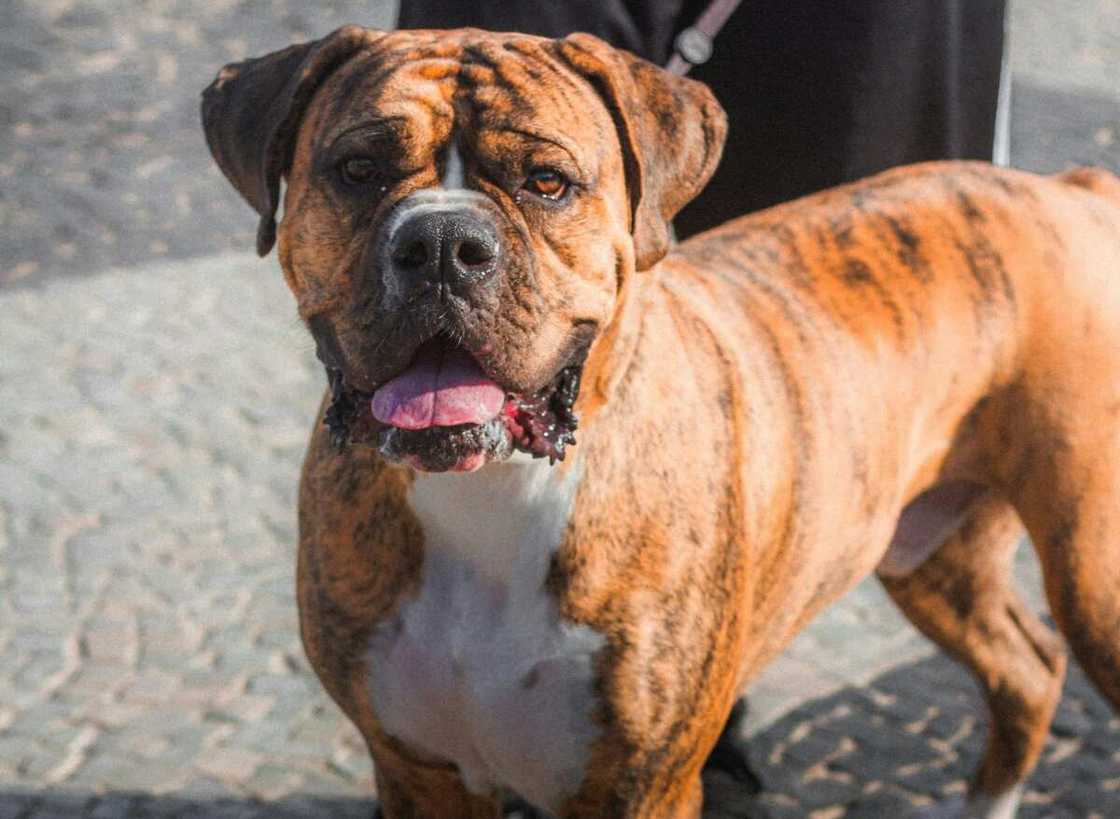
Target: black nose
x,y
450,247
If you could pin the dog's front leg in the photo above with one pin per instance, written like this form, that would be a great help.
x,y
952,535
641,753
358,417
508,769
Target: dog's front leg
x,y
407,790
668,794
648,764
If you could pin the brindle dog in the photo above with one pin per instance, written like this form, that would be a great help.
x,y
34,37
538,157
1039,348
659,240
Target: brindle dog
x,y
898,375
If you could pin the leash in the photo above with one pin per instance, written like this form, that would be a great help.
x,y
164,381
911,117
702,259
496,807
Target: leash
x,y
693,46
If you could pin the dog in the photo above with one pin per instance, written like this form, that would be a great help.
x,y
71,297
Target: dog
x,y
897,376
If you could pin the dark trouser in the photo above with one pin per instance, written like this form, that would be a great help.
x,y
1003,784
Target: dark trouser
x,y
818,92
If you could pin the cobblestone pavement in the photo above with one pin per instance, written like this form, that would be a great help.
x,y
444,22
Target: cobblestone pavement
x,y
152,418
152,427
102,160
913,737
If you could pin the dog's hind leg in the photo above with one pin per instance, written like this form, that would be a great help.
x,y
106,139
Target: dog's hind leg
x,y
1060,466
963,599
1078,544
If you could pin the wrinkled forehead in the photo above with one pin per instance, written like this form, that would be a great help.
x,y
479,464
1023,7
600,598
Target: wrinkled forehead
x,y
422,88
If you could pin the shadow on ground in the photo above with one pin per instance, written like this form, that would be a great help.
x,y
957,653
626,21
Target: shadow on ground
x,y
910,737
26,805
913,736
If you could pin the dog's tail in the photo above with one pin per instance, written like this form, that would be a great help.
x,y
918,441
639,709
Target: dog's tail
x,y
1098,180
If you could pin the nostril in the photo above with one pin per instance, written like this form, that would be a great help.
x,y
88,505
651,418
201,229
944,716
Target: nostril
x,y
413,256
473,253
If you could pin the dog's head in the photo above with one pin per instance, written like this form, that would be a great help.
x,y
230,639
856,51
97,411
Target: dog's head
x,y
462,211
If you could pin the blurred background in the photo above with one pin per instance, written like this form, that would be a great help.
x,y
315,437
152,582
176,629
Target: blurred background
x,y
156,392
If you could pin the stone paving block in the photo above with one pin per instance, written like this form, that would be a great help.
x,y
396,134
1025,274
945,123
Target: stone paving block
x,y
821,793
113,806
814,748
248,708
353,767
304,807
29,723
269,737
55,812
878,806
1069,722
271,781
201,787
282,686
937,781
227,764
16,806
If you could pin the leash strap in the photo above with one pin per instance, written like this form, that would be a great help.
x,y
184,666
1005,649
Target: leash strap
x,y
693,46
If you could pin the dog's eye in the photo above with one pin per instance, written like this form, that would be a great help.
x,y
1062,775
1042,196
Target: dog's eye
x,y
358,170
547,183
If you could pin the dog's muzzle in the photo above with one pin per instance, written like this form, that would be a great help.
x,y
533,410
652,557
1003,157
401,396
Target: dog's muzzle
x,y
437,260
445,247
441,241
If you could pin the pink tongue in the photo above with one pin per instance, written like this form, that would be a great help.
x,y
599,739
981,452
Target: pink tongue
x,y
440,389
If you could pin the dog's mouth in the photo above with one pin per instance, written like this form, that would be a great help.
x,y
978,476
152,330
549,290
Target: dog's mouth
x,y
444,413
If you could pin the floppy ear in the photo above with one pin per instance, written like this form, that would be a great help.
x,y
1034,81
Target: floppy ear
x,y
252,111
671,129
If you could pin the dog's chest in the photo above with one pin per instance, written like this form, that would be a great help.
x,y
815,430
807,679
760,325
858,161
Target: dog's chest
x,y
479,668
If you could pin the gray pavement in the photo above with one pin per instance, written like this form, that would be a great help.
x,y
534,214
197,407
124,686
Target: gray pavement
x,y
102,161
156,391
153,423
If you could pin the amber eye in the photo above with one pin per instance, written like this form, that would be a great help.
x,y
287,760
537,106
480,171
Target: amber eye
x,y
547,183
358,170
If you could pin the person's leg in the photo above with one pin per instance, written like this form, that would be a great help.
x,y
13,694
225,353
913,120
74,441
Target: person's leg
x,y
645,28
819,93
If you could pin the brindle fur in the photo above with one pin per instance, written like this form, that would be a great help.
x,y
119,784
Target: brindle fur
x,y
758,406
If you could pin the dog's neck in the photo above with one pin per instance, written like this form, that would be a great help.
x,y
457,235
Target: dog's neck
x,y
612,352
504,521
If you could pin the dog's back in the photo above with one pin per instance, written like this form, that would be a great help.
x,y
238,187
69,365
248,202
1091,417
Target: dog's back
x,y
1098,180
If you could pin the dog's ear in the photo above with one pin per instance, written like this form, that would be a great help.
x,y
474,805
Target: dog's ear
x,y
252,111
671,129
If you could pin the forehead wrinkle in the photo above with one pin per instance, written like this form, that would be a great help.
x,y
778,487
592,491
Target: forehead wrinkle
x,y
369,91
490,97
413,108
431,82
514,77
571,91
442,81
518,66
574,91
563,80
557,140
482,97
559,89
360,79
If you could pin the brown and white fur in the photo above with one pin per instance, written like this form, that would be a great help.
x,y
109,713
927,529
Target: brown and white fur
x,y
904,374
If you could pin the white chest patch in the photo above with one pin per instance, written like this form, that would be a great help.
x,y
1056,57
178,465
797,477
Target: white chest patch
x,y
479,669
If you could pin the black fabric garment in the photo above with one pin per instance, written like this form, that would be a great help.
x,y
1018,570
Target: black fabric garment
x,y
817,92
645,27
820,92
